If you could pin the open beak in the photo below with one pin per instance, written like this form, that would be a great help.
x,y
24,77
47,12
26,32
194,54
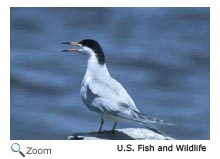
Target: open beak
x,y
73,44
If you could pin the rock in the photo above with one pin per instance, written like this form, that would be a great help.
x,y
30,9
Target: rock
x,y
121,134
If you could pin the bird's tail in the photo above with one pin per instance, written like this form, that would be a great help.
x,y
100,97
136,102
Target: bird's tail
x,y
147,121
142,118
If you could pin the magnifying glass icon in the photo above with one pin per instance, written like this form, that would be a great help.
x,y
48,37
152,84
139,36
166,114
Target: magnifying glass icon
x,y
15,147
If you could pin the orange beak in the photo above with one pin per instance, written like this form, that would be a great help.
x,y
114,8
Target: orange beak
x,y
73,44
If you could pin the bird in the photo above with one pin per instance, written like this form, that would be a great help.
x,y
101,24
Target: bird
x,y
103,94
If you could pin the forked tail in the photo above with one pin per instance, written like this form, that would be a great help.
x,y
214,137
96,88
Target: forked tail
x,y
147,121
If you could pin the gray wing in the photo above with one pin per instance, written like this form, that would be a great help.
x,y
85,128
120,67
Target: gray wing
x,y
123,111
112,99
111,90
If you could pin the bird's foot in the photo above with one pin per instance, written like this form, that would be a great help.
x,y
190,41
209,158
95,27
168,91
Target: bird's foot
x,y
109,131
100,132
103,131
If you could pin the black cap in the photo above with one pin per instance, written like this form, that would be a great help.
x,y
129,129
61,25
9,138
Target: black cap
x,y
95,46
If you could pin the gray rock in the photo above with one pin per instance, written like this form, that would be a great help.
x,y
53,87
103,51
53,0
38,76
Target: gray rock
x,y
121,134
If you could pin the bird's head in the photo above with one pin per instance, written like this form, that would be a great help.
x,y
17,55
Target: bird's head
x,y
88,47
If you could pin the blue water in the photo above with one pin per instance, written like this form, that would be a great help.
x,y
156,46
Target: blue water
x,y
160,55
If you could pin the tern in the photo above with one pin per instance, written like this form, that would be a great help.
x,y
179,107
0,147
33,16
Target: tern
x,y
102,94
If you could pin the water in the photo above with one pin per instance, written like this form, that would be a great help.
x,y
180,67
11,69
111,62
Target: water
x,y
160,55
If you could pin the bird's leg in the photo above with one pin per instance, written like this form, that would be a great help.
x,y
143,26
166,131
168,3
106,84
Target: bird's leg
x,y
113,129
102,122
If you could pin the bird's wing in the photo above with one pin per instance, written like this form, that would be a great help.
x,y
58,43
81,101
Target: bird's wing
x,y
112,99
118,109
112,90
121,110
